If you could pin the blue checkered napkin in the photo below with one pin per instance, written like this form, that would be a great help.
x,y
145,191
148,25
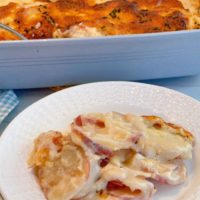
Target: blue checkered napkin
x,y
8,101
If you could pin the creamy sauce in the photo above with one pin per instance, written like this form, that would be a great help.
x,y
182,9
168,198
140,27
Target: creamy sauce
x,y
79,31
101,1
93,175
119,132
134,179
164,145
173,172
22,2
192,5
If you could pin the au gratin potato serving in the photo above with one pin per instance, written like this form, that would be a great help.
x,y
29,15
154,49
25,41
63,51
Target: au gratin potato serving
x,y
40,19
111,156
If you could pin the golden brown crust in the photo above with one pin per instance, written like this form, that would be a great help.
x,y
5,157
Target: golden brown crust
x,y
110,18
9,36
159,123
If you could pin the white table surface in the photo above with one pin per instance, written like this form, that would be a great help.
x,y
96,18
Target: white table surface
x,y
187,85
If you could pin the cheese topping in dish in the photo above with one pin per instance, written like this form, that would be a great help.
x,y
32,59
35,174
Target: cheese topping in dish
x,y
6,2
93,18
78,31
111,156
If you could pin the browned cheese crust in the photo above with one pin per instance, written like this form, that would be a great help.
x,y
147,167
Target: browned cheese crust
x,y
115,17
159,123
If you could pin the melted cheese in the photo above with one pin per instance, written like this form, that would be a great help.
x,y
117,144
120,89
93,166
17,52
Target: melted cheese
x,y
22,3
164,145
6,2
25,3
173,172
93,175
96,196
192,5
134,179
133,151
94,18
101,1
120,131
78,31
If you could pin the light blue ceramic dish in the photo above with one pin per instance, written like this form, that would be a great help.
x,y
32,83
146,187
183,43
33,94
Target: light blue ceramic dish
x,y
41,63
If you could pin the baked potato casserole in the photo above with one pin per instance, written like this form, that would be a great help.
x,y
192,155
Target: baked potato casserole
x,y
111,156
40,19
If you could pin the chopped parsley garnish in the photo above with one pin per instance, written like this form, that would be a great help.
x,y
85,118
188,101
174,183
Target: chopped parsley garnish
x,y
156,28
114,13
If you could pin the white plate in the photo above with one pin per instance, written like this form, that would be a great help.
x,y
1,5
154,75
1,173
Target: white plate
x,y
56,111
42,63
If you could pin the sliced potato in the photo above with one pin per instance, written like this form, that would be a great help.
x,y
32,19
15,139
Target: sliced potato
x,y
63,168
